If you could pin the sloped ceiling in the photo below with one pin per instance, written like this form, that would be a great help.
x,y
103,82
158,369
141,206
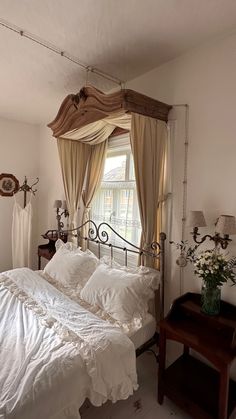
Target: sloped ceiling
x,y
124,38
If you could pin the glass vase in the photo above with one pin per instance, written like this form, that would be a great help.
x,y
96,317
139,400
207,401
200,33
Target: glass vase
x,y
210,300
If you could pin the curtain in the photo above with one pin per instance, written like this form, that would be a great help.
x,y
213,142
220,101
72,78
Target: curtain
x,y
99,131
149,148
85,149
73,158
93,178
148,143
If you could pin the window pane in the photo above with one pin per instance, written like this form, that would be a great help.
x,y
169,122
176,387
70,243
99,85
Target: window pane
x,y
108,202
126,204
114,170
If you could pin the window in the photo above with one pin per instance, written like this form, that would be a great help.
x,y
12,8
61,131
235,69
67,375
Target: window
x,y
116,200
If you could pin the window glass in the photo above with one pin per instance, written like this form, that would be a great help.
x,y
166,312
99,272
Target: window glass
x,y
116,200
114,170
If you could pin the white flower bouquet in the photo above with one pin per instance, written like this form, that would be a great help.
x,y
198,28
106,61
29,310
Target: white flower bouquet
x,y
213,267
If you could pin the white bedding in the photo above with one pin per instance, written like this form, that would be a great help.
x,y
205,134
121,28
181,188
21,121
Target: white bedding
x,y
145,332
54,353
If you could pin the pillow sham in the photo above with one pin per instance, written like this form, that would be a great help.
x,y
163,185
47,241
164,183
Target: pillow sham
x,y
68,245
72,268
123,295
150,276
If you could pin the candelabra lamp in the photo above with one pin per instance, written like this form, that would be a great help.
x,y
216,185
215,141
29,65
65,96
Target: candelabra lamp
x,y
61,209
224,227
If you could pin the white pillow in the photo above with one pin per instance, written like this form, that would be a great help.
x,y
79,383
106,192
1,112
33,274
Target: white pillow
x,y
68,245
123,295
71,267
149,275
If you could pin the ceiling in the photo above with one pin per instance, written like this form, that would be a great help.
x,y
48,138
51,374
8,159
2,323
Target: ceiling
x,y
124,38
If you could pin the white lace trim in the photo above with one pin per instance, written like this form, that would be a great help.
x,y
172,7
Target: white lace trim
x,y
65,334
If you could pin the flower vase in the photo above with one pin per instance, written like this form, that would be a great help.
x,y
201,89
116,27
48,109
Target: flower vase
x,y
210,300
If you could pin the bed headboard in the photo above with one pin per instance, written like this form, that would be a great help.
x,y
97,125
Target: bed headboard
x,y
103,234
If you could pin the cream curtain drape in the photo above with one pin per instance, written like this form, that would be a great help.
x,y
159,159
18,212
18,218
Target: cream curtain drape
x,y
149,146
73,158
93,178
99,131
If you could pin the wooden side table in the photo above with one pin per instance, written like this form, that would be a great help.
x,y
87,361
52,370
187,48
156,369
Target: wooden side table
x,y
202,391
48,250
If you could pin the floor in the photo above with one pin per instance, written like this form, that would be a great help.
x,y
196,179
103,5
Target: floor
x,y
143,404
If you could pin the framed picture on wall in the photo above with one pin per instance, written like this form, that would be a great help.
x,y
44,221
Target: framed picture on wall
x,y
9,184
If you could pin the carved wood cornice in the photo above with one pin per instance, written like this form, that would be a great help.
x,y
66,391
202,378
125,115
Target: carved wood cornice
x,y
90,105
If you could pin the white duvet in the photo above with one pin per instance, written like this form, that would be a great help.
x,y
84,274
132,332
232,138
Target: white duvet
x,y
54,353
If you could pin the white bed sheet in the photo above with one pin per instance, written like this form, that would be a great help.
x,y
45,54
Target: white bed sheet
x,y
50,361
145,332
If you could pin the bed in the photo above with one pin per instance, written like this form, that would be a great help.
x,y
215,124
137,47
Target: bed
x,y
56,348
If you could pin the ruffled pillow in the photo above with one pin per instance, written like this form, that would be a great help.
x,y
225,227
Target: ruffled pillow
x,y
123,295
72,268
150,276
68,245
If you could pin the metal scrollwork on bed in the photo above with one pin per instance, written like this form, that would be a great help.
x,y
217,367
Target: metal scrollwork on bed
x,y
101,235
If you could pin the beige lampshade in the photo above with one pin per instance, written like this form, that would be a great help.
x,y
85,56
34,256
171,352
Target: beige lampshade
x,y
226,224
57,203
64,205
196,219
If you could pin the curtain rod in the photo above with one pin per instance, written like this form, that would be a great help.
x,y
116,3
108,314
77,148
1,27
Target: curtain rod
x,y
58,51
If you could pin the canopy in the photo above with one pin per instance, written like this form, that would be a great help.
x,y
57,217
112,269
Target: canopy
x,y
82,127
91,105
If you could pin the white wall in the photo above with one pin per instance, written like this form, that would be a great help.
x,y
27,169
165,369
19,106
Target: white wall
x,y
51,182
19,156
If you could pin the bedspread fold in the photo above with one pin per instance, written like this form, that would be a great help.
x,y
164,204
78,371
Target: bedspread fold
x,y
51,345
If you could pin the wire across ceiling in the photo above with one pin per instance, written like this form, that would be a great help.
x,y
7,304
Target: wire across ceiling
x,y
59,51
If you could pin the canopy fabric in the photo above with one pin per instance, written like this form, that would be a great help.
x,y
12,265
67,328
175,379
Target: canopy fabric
x,y
149,145
73,158
99,131
94,175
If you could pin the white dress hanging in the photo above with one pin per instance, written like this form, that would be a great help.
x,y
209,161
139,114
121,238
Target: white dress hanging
x,y
21,234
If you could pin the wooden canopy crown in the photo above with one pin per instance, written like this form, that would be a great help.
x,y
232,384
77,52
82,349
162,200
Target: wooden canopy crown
x,y
91,105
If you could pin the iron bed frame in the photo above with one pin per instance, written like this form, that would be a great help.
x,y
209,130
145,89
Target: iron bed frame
x,y
99,235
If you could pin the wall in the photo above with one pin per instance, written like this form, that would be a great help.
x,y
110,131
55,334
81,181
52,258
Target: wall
x,y
19,156
51,182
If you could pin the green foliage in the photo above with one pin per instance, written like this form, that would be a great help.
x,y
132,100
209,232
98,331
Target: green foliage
x,y
213,267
